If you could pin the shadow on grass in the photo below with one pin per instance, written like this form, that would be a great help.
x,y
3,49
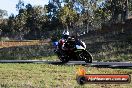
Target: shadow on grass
x,y
26,52
90,65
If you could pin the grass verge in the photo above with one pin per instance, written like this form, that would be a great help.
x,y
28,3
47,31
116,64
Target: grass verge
x,y
52,76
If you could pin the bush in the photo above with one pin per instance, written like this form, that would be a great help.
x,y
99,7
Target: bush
x,y
4,39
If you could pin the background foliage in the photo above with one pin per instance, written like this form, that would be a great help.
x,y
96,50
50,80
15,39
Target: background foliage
x,y
38,22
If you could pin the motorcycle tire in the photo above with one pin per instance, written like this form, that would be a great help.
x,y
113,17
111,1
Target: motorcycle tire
x,y
63,58
87,57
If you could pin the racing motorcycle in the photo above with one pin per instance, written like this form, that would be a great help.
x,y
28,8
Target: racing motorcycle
x,y
71,50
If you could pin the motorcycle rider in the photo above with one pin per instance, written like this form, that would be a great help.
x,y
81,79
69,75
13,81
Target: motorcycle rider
x,y
73,41
65,36
71,48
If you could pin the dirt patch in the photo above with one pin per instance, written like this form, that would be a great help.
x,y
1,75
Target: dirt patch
x,y
6,44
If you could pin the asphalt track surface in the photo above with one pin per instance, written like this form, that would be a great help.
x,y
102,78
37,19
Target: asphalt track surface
x,y
93,64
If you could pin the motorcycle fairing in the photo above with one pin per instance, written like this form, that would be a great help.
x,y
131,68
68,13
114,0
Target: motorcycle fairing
x,y
80,47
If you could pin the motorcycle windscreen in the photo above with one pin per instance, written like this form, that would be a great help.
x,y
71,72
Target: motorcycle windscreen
x,y
79,47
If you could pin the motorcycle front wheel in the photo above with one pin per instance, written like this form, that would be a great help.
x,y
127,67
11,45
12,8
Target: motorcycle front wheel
x,y
87,57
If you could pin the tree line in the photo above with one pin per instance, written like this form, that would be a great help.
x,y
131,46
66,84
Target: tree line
x,y
36,22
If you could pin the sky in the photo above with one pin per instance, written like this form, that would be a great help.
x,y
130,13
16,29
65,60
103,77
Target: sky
x,y
10,5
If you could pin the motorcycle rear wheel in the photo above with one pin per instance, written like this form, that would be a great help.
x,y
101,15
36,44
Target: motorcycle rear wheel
x,y
63,58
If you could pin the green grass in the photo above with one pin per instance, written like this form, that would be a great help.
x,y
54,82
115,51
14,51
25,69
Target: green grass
x,y
101,51
50,58
52,76
26,52
111,51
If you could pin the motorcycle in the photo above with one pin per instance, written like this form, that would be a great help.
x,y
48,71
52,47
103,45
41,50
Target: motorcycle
x,y
72,51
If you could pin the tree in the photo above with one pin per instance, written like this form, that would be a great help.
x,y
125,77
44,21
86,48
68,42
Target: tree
x,y
35,23
20,5
103,13
86,12
118,7
67,16
11,23
3,13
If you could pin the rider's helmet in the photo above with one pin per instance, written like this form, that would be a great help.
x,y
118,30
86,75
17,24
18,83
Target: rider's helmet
x,y
65,34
